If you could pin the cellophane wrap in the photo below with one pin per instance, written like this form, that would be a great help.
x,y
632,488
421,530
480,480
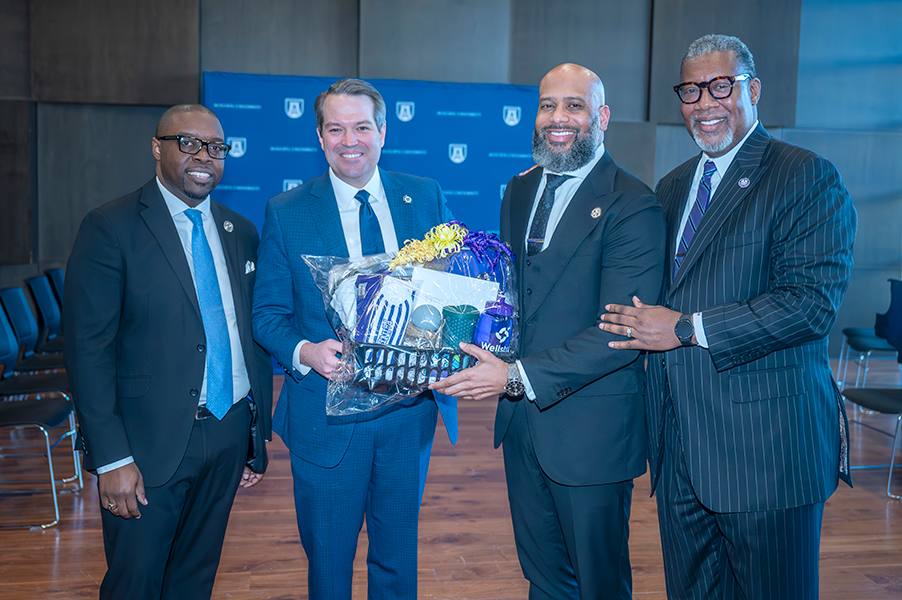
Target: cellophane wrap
x,y
400,316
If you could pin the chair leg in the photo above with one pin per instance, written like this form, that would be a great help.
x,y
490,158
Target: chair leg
x,y
845,370
840,378
56,506
892,460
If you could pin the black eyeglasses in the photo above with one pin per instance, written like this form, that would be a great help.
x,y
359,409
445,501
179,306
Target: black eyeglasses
x,y
192,145
690,92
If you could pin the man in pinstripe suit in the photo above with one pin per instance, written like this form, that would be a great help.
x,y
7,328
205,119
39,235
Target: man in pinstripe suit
x,y
746,426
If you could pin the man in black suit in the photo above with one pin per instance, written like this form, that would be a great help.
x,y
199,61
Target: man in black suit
x,y
168,384
586,233
747,430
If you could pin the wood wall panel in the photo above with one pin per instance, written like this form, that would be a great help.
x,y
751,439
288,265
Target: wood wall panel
x,y
770,28
15,182
463,41
611,38
115,51
280,37
15,57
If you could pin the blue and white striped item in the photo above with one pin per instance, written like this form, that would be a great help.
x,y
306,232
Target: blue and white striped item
x,y
383,316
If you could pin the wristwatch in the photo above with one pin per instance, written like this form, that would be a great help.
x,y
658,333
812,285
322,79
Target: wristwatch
x,y
684,330
514,386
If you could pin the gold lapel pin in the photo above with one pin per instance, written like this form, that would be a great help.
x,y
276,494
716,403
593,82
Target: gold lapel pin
x,y
227,225
596,212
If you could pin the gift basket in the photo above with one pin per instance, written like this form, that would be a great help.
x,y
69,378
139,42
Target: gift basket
x,y
401,317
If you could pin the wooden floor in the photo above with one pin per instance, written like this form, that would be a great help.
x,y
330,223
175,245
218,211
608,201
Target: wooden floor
x,y
466,543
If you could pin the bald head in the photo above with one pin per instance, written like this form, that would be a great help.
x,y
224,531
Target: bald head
x,y
577,76
166,120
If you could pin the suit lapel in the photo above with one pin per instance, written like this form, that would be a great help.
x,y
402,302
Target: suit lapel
x,y
740,179
401,212
591,200
323,212
159,221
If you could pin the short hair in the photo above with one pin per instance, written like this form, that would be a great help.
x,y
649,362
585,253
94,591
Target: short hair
x,y
351,87
722,43
166,119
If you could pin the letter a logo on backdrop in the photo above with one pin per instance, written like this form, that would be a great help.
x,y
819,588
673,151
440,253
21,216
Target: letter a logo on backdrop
x,y
457,152
294,107
239,146
512,115
404,110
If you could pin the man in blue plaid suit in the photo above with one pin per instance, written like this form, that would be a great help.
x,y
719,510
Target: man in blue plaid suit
x,y
371,465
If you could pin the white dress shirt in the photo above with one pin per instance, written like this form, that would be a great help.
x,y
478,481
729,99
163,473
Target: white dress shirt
x,y
349,211
722,163
562,198
240,382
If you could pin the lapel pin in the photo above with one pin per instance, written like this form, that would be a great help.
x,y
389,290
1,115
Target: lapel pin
x,y
227,225
744,182
596,212
406,199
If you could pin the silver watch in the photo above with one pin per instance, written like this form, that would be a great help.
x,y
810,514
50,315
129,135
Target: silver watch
x,y
514,386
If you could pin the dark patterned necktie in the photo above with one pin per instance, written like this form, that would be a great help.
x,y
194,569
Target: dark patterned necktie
x,y
540,220
702,199
216,330
370,231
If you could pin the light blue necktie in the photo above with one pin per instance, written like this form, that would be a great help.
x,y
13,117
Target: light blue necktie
x,y
219,349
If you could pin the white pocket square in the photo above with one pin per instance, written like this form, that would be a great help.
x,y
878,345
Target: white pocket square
x,y
249,267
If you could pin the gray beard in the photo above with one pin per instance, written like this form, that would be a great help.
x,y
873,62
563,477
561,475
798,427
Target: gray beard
x,y
581,151
710,148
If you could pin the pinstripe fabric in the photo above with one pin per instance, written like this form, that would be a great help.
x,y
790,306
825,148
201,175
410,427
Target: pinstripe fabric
x,y
757,412
768,554
288,308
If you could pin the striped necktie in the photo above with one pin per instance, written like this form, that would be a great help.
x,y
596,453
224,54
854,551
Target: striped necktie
x,y
219,348
370,231
702,199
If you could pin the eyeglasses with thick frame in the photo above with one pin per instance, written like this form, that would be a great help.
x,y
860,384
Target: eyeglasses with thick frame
x,y
720,88
193,145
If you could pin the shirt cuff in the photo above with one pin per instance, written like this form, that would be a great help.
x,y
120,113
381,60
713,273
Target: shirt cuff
x,y
296,360
530,393
699,327
113,466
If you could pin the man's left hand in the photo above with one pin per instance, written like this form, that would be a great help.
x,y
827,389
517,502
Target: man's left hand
x,y
250,478
648,326
485,380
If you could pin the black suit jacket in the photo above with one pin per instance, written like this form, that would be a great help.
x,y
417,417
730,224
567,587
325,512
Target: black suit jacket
x,y
758,412
134,335
587,422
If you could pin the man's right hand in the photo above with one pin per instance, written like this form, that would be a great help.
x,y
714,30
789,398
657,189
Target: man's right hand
x,y
123,489
321,357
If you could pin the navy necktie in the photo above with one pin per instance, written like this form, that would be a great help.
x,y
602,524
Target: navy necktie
x,y
219,349
702,199
370,231
540,220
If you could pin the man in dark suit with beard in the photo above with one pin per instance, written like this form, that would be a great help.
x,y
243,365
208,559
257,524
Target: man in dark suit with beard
x,y
746,426
163,366
586,233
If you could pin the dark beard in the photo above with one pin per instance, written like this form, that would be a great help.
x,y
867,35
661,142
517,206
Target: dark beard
x,y
581,151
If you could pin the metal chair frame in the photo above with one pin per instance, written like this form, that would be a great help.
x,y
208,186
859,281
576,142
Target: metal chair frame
x,y
76,477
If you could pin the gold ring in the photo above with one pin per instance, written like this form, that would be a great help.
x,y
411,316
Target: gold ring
x,y
111,506
629,332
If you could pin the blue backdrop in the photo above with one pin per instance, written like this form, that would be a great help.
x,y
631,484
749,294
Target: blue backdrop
x,y
471,138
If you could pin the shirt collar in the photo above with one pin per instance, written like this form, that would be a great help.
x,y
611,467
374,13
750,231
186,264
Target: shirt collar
x,y
723,162
344,193
177,206
583,171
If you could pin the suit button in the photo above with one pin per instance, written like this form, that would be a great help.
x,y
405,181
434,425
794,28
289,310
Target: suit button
x,y
663,363
200,348
528,291
194,393
528,263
